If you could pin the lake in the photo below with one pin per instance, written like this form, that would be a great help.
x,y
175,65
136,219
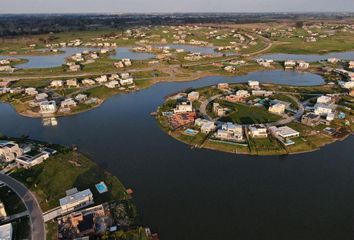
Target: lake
x,y
200,194
309,57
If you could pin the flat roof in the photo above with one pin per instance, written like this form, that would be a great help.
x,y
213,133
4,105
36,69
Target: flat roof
x,y
75,197
6,232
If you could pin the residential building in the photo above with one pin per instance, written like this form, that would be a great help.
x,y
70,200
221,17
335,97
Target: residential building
x,y
223,86
193,96
57,83
230,132
333,60
81,97
278,108
301,65
284,132
347,85
230,69
101,79
325,100
184,107
41,97
311,119
112,84
253,84
72,83
258,131
75,199
219,110
68,103
289,64
205,126
88,82
31,91
323,109
28,161
126,81
262,93
6,231
3,213
48,107
9,151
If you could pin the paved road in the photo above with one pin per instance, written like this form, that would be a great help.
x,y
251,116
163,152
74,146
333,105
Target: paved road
x,y
203,106
35,212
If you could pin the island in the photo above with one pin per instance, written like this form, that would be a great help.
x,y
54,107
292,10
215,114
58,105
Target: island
x,y
258,119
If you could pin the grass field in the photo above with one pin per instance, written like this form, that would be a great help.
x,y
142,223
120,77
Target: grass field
x,y
66,170
243,114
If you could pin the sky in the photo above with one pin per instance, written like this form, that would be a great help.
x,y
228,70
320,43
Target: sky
x,y
169,6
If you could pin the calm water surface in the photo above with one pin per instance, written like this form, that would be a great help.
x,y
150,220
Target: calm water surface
x,y
197,194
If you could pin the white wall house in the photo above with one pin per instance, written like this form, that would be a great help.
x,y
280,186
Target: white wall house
x,y
48,107
183,107
75,199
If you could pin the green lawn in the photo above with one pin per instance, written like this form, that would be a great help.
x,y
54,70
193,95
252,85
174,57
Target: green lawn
x,y
66,170
243,114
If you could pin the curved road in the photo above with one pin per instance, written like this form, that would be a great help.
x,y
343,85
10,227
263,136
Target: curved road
x,y
33,208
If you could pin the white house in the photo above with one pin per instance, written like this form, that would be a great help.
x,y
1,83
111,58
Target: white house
x,y
75,199
253,84
72,83
347,85
68,103
101,79
31,91
9,151
205,125
88,82
278,108
126,81
258,131
183,107
289,64
48,107
57,83
28,161
284,132
112,84
325,100
6,231
193,96
41,97
323,109
230,131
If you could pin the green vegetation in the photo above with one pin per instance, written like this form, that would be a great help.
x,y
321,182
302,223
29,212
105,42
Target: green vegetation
x,y
243,114
66,170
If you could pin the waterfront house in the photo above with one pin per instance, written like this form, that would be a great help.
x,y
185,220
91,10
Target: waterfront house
x,y
289,64
81,97
333,60
126,81
301,65
193,96
47,107
68,103
253,84
206,126
28,161
230,132
223,86
9,151
75,199
258,131
262,93
112,84
284,133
